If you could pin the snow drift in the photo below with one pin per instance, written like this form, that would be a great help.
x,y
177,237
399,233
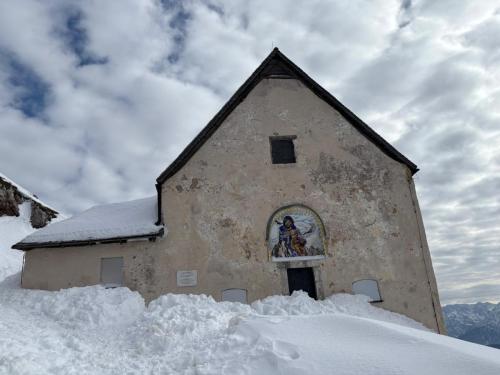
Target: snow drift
x,y
94,330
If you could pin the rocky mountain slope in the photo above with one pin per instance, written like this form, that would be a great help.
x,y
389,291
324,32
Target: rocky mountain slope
x,y
479,322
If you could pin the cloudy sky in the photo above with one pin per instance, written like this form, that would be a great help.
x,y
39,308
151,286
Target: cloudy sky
x,y
97,97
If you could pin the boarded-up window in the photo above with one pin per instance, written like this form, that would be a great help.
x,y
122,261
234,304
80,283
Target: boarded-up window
x,y
368,288
282,150
234,295
112,272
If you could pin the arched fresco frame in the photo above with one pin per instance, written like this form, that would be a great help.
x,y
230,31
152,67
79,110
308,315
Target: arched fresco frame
x,y
304,238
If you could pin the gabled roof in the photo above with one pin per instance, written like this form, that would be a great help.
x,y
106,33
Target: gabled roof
x,y
117,222
277,65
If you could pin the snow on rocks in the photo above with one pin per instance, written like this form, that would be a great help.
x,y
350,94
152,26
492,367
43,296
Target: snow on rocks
x,y
93,330
24,192
12,230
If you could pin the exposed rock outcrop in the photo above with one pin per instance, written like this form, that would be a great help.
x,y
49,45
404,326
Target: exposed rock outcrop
x,y
41,215
10,199
12,195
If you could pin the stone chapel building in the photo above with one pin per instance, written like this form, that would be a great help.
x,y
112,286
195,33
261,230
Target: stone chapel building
x,y
285,189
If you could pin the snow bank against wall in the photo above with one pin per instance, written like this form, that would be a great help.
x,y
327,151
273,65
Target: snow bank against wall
x,y
93,330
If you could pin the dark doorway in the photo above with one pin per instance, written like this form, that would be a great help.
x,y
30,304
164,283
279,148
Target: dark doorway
x,y
302,279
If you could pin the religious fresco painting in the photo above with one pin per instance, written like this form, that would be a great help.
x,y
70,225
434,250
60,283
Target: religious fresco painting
x,y
295,233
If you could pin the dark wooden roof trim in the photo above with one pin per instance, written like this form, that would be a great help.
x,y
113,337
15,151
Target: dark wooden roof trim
x,y
158,204
278,65
37,245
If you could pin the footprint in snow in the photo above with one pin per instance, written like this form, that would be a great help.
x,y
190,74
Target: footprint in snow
x,y
285,350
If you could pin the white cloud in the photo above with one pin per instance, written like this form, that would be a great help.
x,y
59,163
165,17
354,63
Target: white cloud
x,y
424,74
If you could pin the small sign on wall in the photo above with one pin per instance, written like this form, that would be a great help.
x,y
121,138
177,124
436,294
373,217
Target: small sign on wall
x,y
187,278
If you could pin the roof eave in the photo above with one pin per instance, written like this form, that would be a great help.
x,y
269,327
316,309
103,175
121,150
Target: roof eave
x,y
26,246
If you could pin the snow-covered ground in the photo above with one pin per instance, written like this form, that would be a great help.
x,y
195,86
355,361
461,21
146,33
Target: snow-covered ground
x,y
94,330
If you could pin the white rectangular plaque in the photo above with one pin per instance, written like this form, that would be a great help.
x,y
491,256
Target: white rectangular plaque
x,y
187,278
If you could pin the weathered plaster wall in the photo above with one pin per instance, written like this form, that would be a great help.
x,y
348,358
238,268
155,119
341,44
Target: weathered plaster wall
x,y
218,205
58,268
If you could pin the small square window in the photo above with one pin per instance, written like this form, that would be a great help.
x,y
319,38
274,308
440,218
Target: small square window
x,y
368,288
112,272
282,150
234,295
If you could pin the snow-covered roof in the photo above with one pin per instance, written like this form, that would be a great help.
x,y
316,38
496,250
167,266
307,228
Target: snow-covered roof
x,y
25,192
107,222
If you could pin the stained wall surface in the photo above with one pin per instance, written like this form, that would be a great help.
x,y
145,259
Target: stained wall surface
x,y
217,207
76,266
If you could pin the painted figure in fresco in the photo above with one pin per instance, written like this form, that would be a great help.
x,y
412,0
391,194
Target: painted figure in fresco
x,y
291,243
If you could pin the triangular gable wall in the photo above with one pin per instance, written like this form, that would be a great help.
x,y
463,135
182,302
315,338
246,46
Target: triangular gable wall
x,y
277,65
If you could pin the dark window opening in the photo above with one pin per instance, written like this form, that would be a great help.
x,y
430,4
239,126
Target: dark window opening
x,y
234,295
302,279
112,272
282,150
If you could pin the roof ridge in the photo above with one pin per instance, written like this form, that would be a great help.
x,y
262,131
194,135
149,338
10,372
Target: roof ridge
x,y
245,89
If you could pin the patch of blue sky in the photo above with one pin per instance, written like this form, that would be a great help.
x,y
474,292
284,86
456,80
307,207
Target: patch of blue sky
x,y
76,39
179,25
30,93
